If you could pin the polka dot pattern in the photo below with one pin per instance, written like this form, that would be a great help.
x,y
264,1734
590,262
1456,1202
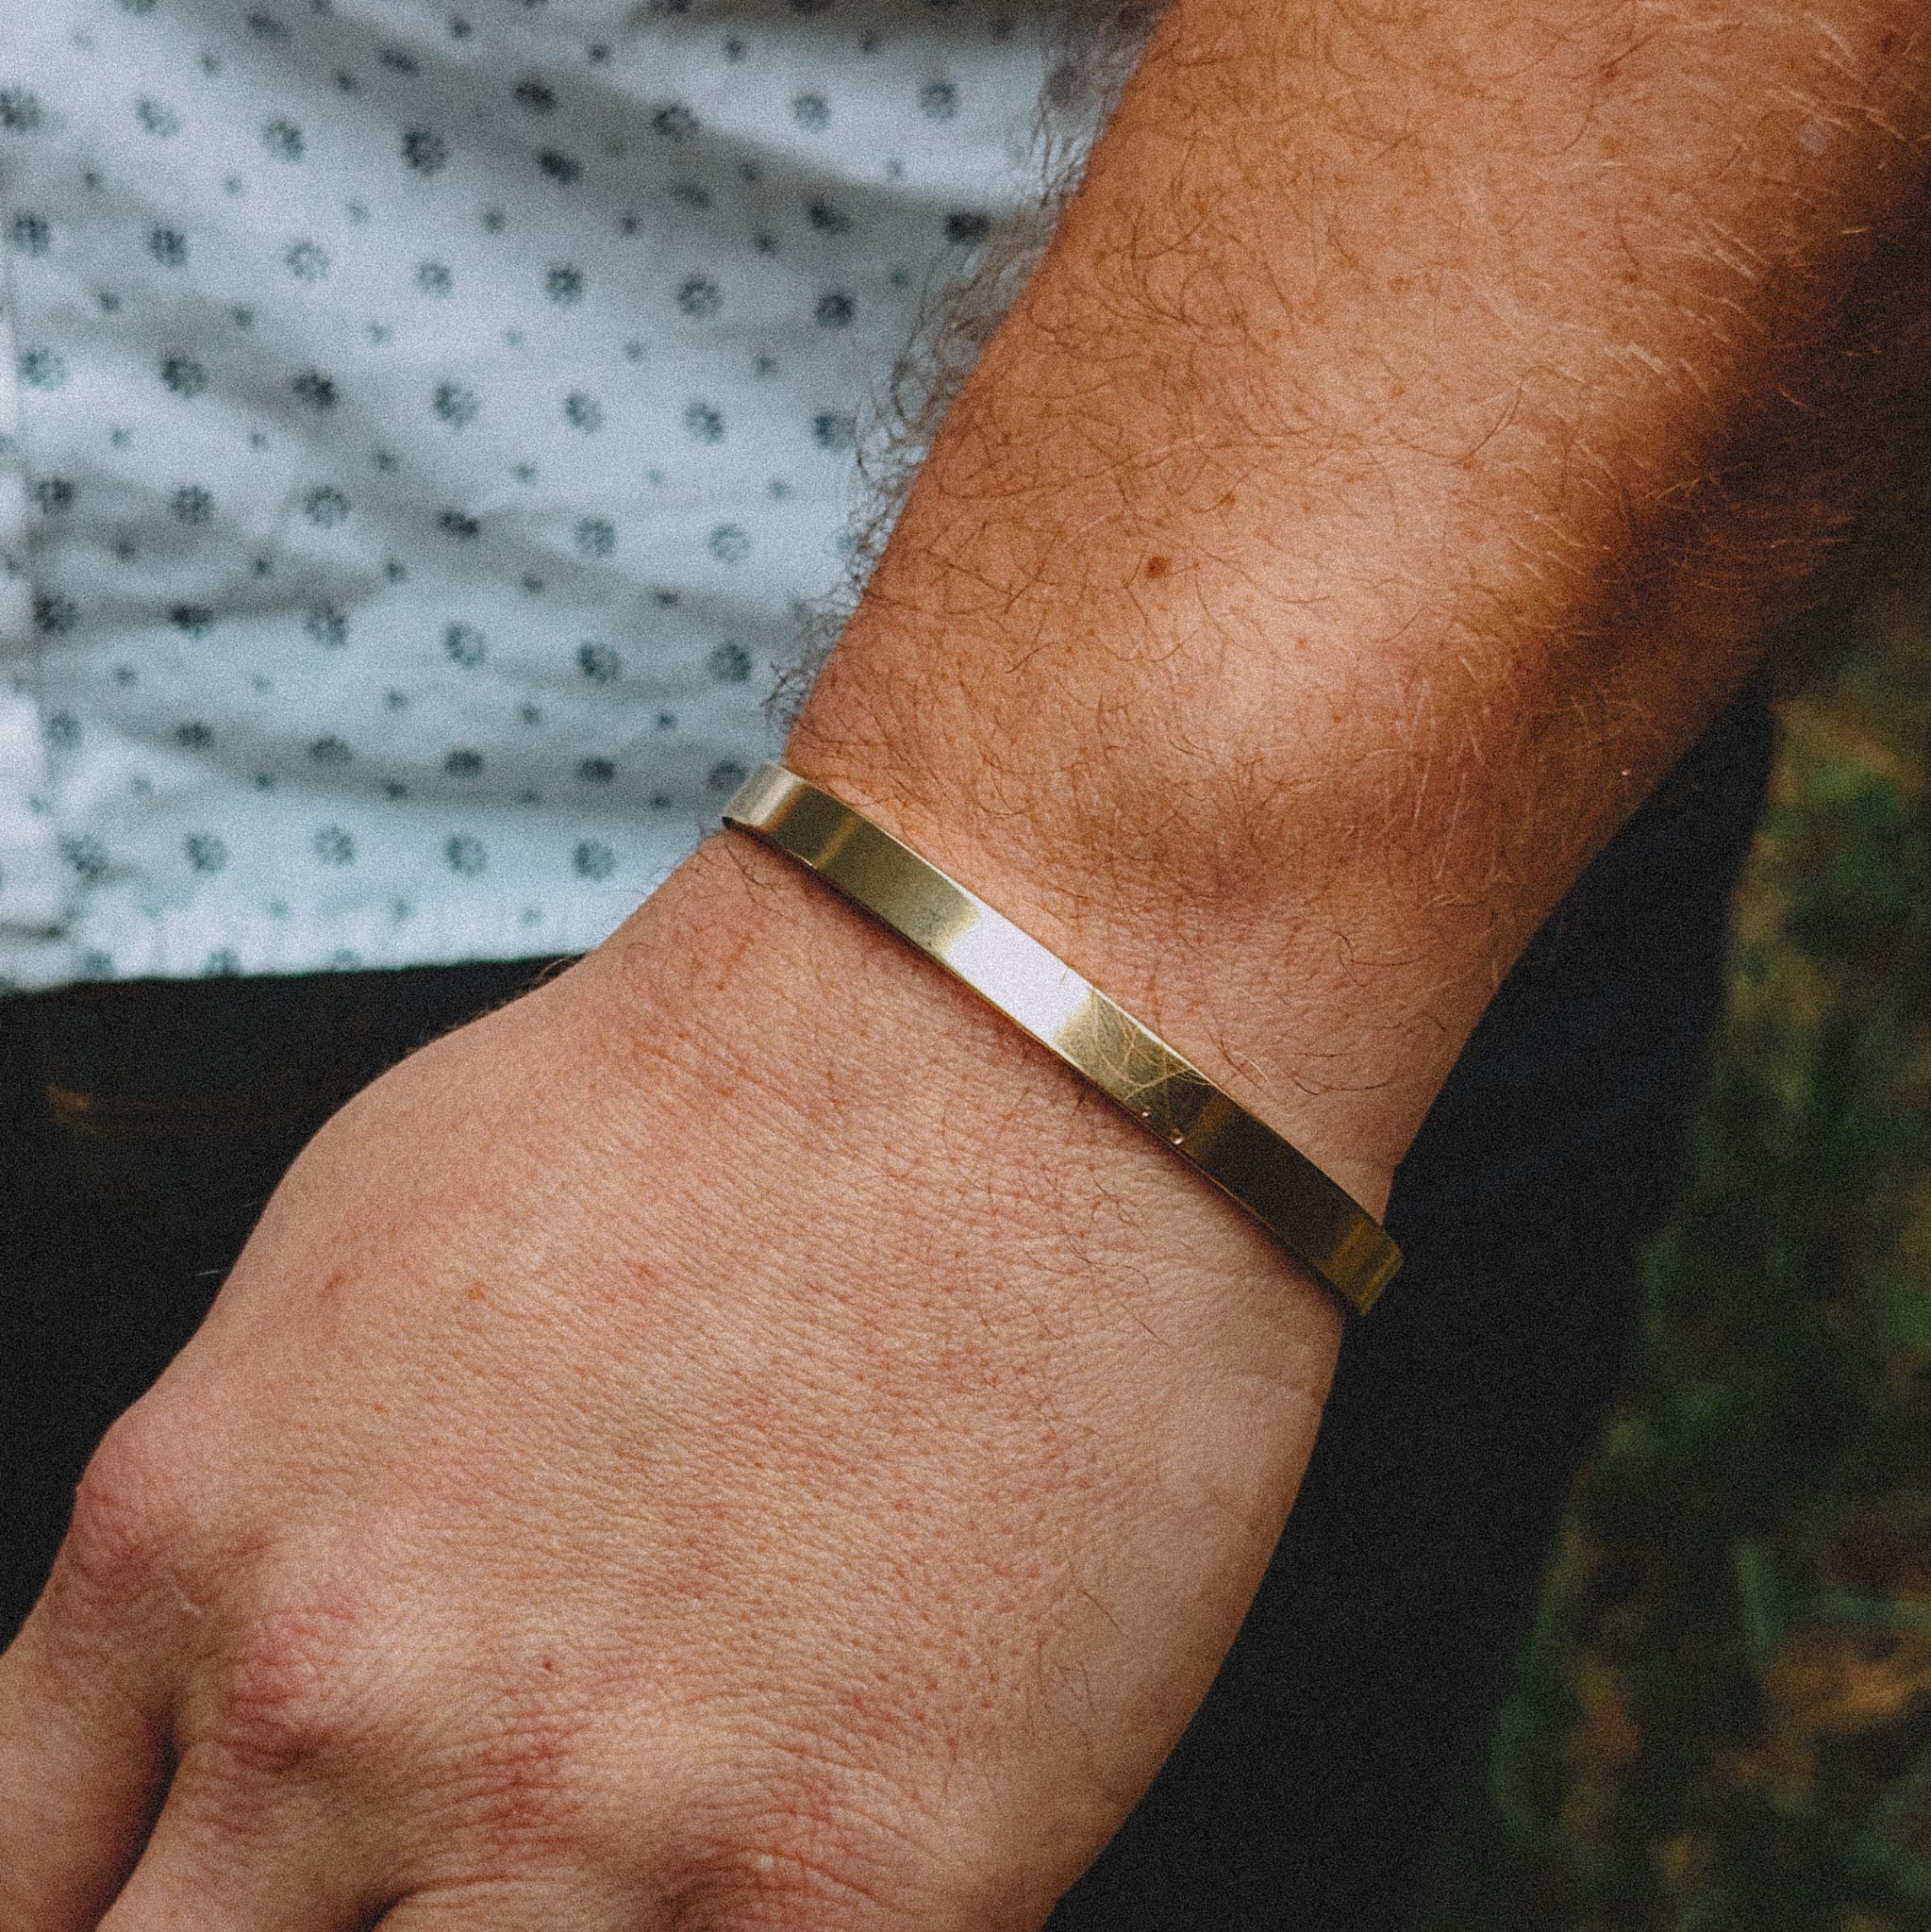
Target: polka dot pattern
x,y
420,432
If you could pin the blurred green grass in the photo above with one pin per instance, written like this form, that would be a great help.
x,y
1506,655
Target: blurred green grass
x,y
1721,1718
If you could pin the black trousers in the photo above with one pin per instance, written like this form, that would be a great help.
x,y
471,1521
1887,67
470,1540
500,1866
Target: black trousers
x,y
142,1126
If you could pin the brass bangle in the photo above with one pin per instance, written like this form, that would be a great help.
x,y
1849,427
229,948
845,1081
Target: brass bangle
x,y
1134,1067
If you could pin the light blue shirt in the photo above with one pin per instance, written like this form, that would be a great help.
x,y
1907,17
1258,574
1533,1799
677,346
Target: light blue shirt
x,y
426,424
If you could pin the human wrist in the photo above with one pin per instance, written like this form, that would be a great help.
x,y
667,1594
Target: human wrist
x,y
747,980
1142,1075
1303,968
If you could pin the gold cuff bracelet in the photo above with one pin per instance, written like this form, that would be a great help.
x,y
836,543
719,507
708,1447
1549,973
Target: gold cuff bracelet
x,y
1132,1066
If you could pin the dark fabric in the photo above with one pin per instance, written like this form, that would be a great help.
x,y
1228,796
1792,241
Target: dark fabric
x,y
142,1126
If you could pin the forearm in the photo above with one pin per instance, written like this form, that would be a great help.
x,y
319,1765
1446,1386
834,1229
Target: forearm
x,y
1411,434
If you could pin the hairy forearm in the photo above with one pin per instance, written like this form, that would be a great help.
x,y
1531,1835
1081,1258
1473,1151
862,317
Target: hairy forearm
x,y
1419,420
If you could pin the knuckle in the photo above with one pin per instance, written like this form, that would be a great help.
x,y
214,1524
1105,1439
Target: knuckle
x,y
762,1888
337,1685
136,1516
291,1692
799,1844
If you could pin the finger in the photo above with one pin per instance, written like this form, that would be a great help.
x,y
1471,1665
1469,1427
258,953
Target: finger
x,y
515,1905
754,1891
82,1768
199,1873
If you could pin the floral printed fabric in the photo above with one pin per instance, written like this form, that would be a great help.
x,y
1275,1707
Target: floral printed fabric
x,y
423,426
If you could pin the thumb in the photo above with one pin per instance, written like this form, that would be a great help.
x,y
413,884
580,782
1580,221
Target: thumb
x,y
82,1771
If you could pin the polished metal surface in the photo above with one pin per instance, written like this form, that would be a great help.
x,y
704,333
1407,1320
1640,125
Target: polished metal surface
x,y
1170,1097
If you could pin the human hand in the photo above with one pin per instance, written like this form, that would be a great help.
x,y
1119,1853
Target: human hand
x,y
739,1437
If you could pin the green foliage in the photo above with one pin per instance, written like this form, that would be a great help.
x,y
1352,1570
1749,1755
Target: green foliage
x,y
1721,1720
